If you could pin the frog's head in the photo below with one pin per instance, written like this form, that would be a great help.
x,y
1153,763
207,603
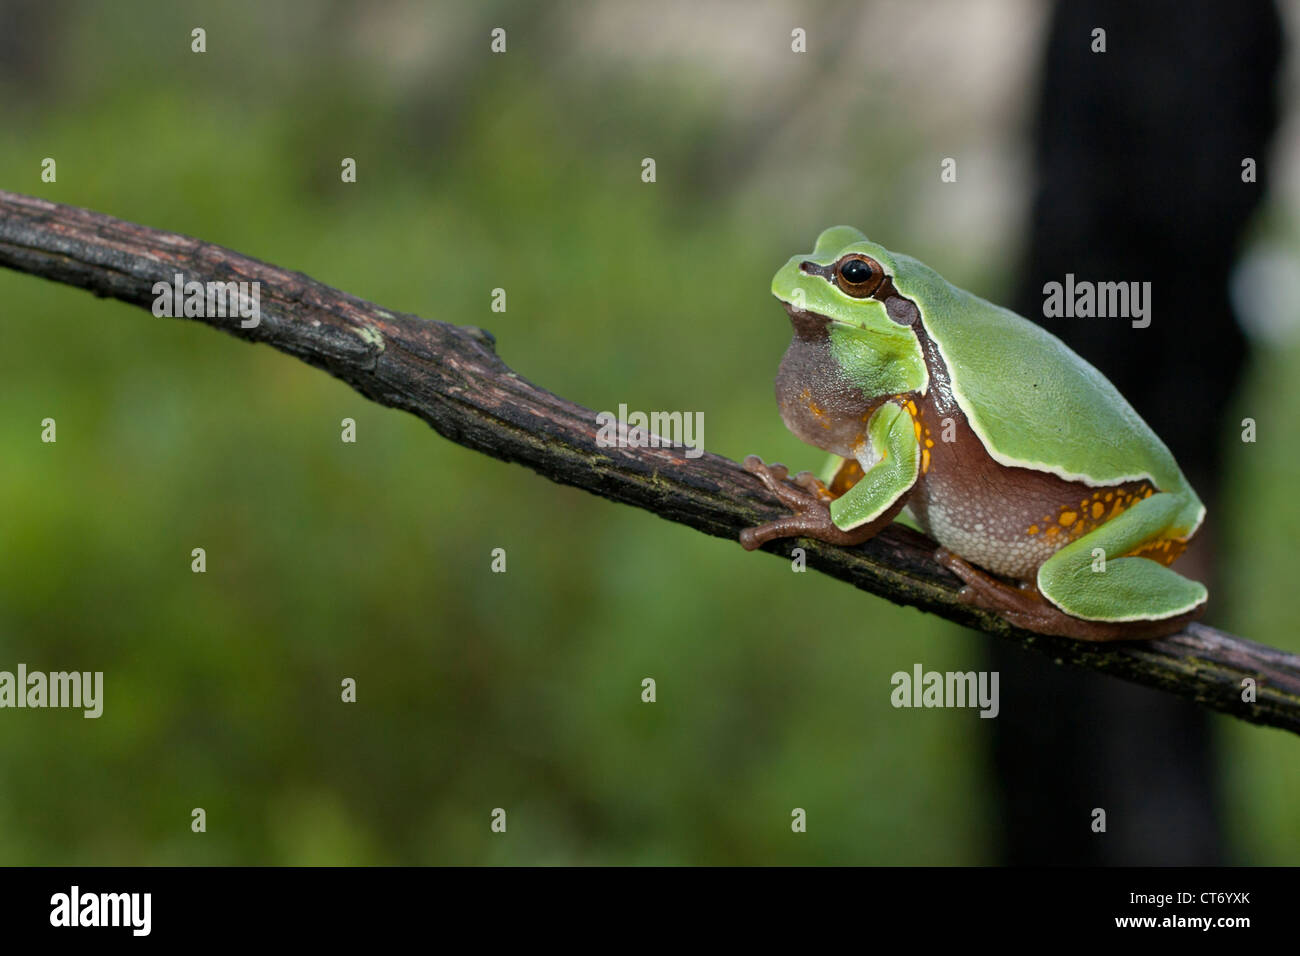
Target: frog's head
x,y
844,281
840,288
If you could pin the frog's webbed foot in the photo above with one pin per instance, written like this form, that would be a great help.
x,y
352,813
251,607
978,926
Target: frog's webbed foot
x,y
1026,608
809,502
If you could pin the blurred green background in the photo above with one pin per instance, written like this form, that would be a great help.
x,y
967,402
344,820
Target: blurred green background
x,y
328,560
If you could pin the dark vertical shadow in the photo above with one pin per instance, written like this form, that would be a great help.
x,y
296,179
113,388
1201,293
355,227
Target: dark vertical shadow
x,y
1138,155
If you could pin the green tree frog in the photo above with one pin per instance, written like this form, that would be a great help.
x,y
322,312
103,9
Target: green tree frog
x,y
1052,500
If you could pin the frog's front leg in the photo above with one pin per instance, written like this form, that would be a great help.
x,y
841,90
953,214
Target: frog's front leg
x,y
864,509
811,518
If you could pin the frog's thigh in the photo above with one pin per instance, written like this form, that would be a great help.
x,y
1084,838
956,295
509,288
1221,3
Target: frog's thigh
x,y
892,476
1129,589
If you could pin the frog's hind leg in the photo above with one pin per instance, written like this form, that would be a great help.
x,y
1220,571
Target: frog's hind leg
x,y
1026,608
1085,593
1023,606
1099,578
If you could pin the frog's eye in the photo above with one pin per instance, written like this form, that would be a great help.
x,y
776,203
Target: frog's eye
x,y
859,276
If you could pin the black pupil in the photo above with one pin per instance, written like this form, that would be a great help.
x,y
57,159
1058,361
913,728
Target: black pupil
x,y
856,271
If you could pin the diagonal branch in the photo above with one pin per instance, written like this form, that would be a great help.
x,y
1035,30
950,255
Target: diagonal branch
x,y
451,377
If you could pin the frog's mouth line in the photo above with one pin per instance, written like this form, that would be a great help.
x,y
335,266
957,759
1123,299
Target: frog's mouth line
x,y
807,322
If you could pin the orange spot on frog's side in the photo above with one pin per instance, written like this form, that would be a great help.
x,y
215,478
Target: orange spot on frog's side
x,y
819,413
1033,529
1068,518
925,460
1053,530
1098,509
1110,495
929,442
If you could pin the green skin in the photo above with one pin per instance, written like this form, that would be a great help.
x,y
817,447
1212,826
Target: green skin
x,y
1004,445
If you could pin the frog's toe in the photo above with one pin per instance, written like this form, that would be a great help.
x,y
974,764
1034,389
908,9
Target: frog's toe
x,y
756,466
814,486
791,526
751,538
773,477
812,520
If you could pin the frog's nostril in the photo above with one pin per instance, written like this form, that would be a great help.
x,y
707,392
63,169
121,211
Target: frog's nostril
x,y
808,267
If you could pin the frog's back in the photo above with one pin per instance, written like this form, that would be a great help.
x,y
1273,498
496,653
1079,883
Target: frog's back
x,y
1005,370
